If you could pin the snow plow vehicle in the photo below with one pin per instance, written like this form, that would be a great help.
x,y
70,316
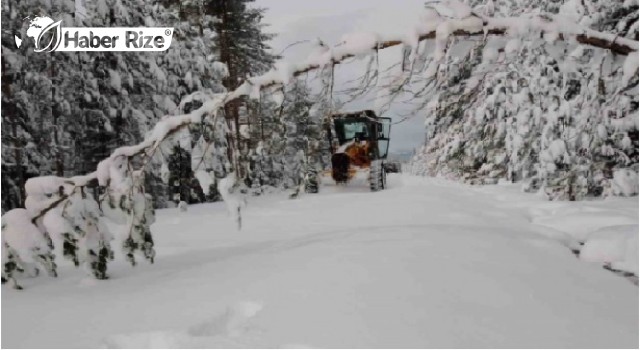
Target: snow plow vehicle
x,y
359,146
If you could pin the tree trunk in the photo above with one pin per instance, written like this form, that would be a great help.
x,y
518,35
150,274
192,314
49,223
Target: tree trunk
x,y
230,82
55,113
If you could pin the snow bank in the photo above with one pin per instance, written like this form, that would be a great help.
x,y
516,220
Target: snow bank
x,y
580,223
602,231
615,246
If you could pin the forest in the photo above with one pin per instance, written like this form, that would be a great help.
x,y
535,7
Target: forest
x,y
564,122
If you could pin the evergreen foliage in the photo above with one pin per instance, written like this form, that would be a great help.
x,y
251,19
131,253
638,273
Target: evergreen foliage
x,y
557,118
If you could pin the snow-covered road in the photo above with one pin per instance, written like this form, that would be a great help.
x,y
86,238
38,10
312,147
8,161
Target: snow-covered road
x,y
426,263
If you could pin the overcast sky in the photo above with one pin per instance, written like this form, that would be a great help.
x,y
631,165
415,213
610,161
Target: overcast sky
x,y
297,20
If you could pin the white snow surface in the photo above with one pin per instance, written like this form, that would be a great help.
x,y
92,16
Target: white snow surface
x,y
616,246
425,263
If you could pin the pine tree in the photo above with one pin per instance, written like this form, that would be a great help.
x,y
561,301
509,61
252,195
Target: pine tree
x,y
243,47
288,145
302,135
26,104
64,112
546,117
267,143
183,186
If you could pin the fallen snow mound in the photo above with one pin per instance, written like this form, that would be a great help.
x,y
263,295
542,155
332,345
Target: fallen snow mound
x,y
615,246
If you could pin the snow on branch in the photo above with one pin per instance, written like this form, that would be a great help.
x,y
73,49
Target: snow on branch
x,y
555,27
549,27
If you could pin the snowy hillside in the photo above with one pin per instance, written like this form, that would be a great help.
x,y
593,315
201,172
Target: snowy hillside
x,y
427,263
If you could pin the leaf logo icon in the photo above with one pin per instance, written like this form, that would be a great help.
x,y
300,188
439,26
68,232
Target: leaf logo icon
x,y
54,41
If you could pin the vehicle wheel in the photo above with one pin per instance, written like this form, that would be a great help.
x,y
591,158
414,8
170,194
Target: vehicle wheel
x,y
383,180
340,164
377,176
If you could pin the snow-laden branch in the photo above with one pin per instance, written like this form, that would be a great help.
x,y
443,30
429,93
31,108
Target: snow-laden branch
x,y
549,27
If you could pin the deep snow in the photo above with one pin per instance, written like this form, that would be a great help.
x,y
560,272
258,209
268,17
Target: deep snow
x,y
426,263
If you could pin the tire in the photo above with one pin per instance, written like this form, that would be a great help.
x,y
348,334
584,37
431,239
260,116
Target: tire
x,y
384,179
340,164
377,176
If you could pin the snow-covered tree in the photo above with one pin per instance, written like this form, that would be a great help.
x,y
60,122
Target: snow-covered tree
x,y
525,109
24,247
243,47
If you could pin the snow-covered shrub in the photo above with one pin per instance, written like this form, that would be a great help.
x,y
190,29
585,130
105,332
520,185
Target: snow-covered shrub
x,y
126,199
624,182
141,215
89,232
24,247
76,222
